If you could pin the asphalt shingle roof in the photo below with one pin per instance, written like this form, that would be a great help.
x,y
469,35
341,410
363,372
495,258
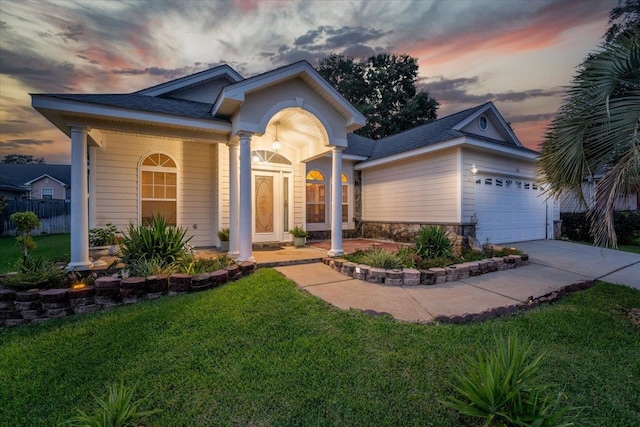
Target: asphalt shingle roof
x,y
134,101
15,175
425,135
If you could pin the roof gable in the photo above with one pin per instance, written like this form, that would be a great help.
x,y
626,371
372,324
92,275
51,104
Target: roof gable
x,y
22,175
496,127
458,126
220,73
233,96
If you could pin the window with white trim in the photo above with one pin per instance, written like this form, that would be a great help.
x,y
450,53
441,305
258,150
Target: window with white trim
x,y
46,193
316,197
345,198
158,188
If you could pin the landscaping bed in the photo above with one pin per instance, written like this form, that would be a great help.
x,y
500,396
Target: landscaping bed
x,y
431,276
36,305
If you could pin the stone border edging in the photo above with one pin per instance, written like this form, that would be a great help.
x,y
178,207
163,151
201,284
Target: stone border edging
x,y
37,306
516,308
431,276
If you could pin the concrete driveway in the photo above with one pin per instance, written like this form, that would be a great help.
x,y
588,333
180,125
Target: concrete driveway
x,y
587,261
552,266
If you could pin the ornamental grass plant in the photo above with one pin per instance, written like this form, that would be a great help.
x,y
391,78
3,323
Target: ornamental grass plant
x,y
156,240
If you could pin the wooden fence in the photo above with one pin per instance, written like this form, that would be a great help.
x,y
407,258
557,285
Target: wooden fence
x,y
54,216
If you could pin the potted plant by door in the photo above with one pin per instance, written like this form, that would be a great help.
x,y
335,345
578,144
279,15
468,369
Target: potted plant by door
x,y
223,235
103,241
299,236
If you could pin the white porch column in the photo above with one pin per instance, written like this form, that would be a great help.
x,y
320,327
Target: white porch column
x,y
234,199
245,198
79,203
336,202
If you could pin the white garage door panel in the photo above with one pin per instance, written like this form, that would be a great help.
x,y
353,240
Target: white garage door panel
x,y
509,210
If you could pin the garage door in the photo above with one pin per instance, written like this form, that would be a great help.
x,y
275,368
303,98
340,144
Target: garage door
x,y
509,210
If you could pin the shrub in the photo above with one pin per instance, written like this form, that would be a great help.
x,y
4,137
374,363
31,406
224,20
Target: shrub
x,y
298,231
501,385
34,273
150,267
627,226
224,235
157,240
190,265
25,223
117,410
432,242
379,258
575,226
103,236
427,263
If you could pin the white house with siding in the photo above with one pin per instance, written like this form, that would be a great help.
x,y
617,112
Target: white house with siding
x,y
263,154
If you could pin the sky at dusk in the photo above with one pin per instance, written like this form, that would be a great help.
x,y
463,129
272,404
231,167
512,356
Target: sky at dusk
x,y
518,54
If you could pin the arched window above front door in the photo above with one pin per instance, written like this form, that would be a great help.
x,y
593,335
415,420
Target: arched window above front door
x,y
316,197
266,156
158,188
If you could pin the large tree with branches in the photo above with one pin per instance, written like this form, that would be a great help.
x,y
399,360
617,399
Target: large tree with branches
x,y
383,88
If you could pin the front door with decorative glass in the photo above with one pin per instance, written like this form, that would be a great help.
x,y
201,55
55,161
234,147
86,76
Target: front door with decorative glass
x,y
271,205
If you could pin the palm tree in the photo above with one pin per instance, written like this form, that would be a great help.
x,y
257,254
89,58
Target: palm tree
x,y
596,131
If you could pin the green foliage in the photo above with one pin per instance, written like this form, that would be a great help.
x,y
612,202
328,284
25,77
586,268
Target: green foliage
x,y
383,88
224,235
22,159
54,247
103,236
596,132
117,410
143,267
261,352
407,256
3,204
432,242
426,263
25,223
501,385
627,226
190,265
33,273
298,231
379,258
623,18
157,240
575,226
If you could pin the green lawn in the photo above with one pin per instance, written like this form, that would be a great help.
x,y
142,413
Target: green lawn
x,y
630,248
261,352
50,246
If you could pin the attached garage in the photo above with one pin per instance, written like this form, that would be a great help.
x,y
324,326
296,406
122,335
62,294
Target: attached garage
x,y
509,209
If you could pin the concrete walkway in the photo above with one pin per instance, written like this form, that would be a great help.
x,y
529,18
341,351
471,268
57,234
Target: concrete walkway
x,y
552,265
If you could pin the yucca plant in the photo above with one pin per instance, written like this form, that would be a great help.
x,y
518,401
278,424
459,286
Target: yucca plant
x,y
433,242
501,385
117,410
156,240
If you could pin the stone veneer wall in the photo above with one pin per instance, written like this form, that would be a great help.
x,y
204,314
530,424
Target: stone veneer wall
x,y
36,306
461,235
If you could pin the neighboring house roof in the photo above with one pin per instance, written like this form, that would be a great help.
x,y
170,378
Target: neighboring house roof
x,y
20,176
445,129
